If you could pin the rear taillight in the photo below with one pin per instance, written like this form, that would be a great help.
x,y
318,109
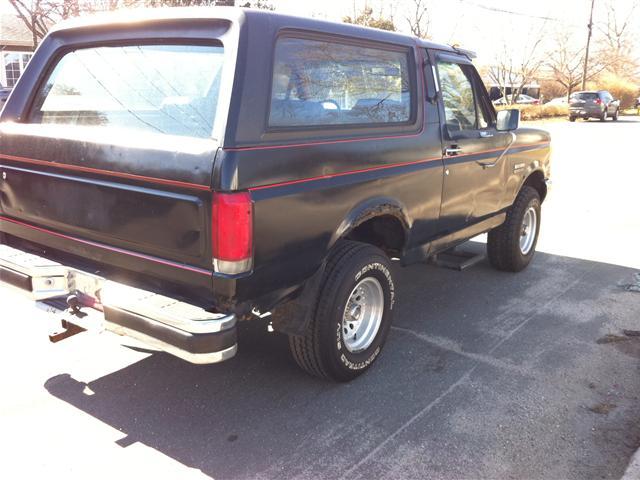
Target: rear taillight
x,y
232,232
598,101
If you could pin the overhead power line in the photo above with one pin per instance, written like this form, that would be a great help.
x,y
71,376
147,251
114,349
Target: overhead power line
x,y
511,12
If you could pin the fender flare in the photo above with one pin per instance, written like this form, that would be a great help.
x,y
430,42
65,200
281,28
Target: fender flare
x,y
371,208
535,178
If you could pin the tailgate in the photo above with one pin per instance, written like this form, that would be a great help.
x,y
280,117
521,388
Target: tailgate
x,y
145,198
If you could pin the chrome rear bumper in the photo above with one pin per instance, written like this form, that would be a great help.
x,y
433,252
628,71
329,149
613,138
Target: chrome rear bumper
x,y
184,330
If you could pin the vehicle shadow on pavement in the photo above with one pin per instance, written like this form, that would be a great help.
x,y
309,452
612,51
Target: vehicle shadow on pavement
x,y
485,374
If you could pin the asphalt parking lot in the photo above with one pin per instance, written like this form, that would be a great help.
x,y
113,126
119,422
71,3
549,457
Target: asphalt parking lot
x,y
485,374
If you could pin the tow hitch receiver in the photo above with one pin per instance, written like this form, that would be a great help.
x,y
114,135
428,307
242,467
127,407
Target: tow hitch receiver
x,y
67,330
70,317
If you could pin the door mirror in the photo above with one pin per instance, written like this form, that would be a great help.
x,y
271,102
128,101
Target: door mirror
x,y
508,120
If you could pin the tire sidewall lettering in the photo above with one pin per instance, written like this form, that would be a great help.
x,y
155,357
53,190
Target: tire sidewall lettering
x,y
380,272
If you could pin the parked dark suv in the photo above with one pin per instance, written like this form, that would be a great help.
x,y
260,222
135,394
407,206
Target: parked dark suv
x,y
600,104
170,175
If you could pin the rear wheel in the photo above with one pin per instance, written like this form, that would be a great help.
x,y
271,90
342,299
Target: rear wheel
x,y
572,119
603,116
510,247
616,115
352,315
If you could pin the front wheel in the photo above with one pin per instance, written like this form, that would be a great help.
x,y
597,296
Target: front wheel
x,y
510,247
572,119
603,116
616,115
352,316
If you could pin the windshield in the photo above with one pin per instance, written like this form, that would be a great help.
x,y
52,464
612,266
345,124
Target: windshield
x,y
168,89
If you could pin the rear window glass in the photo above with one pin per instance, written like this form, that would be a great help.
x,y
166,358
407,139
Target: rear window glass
x,y
168,89
324,83
584,96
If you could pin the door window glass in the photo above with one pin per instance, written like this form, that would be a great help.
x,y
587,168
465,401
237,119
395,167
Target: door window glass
x,y
457,96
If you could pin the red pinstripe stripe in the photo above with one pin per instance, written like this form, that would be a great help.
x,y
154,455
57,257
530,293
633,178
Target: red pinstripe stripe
x,y
106,247
130,176
322,142
341,174
379,167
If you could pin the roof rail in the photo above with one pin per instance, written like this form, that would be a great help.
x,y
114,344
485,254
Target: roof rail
x,y
463,51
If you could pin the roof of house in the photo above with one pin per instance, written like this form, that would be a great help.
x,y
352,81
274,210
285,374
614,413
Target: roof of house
x,y
13,32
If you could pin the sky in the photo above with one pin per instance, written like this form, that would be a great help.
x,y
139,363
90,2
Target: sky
x,y
484,26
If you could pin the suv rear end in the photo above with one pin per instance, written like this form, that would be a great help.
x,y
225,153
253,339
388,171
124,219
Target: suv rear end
x,y
600,105
585,105
120,216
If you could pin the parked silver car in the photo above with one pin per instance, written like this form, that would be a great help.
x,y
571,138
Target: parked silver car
x,y
522,99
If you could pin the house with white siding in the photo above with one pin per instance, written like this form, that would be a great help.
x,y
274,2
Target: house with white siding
x,y
16,47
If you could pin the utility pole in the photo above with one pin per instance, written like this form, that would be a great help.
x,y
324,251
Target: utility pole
x,y
586,52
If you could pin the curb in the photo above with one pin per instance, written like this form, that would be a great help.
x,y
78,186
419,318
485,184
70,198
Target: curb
x,y
633,469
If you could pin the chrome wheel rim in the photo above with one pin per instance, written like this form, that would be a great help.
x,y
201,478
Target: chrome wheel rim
x,y
528,230
362,315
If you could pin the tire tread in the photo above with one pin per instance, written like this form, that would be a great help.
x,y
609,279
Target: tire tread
x,y
503,241
306,348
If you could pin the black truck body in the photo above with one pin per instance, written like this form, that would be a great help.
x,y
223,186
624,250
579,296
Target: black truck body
x,y
152,210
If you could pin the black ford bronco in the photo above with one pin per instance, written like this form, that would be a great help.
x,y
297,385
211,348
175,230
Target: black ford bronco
x,y
170,173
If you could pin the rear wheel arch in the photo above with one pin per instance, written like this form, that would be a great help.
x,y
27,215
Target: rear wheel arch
x,y
536,181
381,222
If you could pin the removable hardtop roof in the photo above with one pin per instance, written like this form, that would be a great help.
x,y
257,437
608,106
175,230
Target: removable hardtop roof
x,y
247,16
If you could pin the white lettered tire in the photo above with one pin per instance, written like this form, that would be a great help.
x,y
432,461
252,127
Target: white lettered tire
x,y
352,317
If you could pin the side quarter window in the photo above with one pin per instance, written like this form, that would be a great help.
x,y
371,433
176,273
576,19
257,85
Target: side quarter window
x,y
321,83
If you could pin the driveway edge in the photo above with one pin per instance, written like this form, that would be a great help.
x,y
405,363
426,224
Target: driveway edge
x,y
633,469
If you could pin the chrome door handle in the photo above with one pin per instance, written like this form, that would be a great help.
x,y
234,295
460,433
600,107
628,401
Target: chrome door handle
x,y
450,152
485,134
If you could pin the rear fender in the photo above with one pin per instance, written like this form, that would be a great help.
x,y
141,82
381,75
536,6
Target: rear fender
x,y
293,316
369,209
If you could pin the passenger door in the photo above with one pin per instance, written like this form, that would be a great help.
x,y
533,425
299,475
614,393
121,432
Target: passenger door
x,y
475,167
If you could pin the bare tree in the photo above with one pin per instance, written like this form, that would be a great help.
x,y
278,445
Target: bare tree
x,y
566,63
418,18
37,15
619,38
367,19
513,70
